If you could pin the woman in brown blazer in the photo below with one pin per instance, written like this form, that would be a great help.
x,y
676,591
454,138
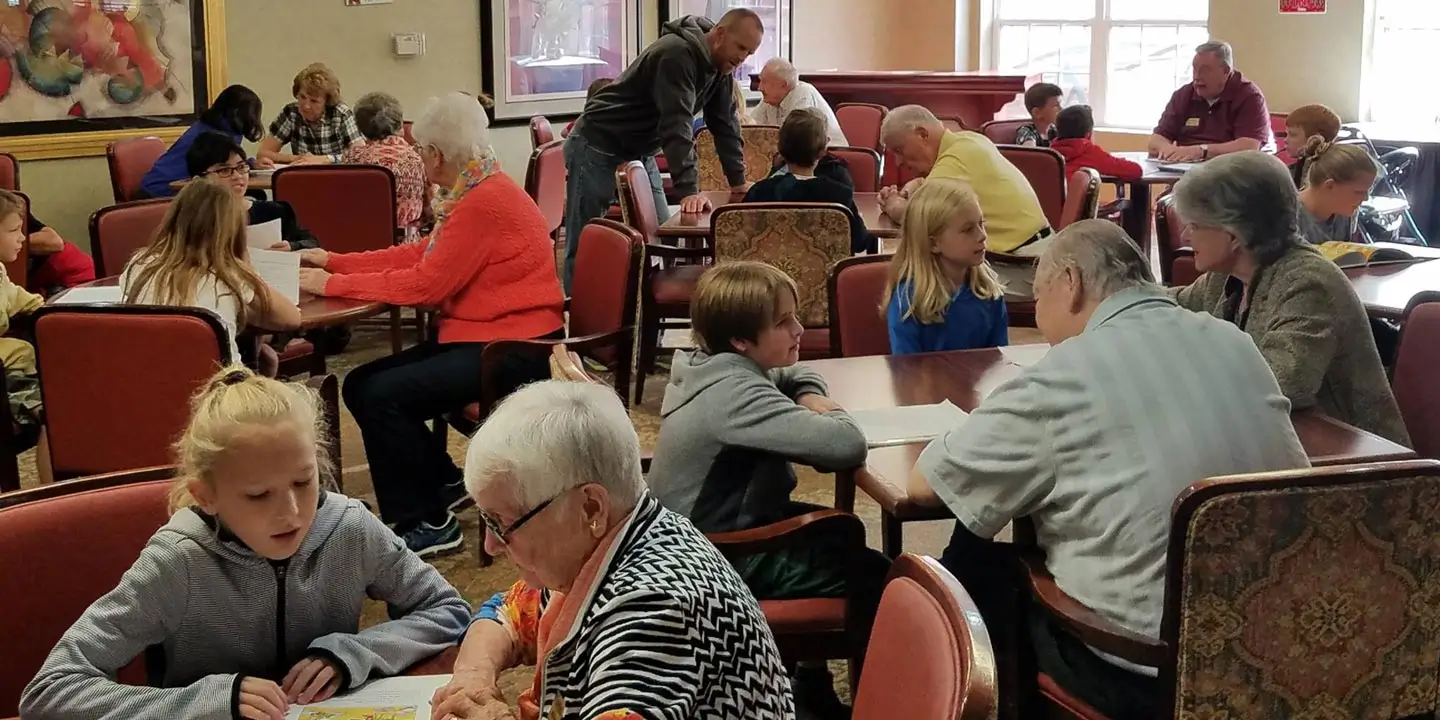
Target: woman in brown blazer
x,y
1240,217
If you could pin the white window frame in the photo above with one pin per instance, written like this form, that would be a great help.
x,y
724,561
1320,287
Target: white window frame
x,y
1369,71
1100,27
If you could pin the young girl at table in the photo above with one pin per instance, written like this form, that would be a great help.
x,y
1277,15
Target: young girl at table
x,y
17,355
199,259
941,294
256,552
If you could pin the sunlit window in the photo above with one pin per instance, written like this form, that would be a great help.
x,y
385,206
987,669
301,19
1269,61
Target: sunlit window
x,y
1407,32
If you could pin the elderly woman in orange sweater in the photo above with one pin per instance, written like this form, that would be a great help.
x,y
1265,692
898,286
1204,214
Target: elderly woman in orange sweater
x,y
489,269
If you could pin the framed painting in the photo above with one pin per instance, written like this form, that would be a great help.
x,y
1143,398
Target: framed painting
x,y
76,75
541,55
776,15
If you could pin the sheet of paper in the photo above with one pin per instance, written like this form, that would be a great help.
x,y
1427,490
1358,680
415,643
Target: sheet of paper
x,y
280,269
396,698
265,172
1024,355
264,235
93,296
1179,167
908,424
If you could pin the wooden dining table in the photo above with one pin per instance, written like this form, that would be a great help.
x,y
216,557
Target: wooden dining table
x,y
258,180
1136,219
965,378
315,311
1387,289
692,225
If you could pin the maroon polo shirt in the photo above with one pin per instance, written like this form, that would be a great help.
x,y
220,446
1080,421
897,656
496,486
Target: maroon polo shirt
x,y
1239,112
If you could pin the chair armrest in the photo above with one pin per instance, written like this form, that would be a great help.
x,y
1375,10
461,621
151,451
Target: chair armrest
x,y
674,252
1087,625
790,532
494,355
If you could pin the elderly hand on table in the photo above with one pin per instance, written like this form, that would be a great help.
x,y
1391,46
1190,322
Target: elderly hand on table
x,y
312,280
470,695
1182,153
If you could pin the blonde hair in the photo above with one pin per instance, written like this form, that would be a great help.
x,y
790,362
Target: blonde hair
x,y
742,111
1313,121
319,79
202,236
930,209
736,300
1341,163
233,402
10,204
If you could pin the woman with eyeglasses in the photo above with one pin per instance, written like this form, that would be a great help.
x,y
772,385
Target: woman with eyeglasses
x,y
235,114
627,610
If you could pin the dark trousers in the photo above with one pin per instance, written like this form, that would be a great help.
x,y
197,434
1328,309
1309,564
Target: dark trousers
x,y
1117,693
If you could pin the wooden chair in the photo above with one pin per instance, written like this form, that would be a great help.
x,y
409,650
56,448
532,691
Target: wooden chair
x,y
805,240
1045,169
860,122
953,123
1177,265
1082,197
9,173
64,545
857,322
1287,591
1002,132
929,656
761,145
864,165
545,182
129,160
119,231
1414,382
541,132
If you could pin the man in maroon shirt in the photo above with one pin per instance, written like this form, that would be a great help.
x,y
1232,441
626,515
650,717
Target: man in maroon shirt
x,y
1218,112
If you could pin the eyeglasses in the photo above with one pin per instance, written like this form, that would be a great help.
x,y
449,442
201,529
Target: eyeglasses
x,y
503,533
228,171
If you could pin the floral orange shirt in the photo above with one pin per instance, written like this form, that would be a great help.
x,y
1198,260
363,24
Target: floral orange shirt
x,y
410,181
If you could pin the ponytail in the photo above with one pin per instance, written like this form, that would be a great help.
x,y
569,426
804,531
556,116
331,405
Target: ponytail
x,y
1342,163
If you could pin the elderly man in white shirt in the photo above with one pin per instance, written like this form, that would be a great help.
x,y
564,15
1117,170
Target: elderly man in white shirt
x,y
782,92
1137,399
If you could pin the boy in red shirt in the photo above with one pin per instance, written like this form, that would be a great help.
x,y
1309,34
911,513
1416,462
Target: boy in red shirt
x,y
1072,141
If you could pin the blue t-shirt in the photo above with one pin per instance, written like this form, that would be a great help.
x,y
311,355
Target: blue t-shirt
x,y
171,166
969,323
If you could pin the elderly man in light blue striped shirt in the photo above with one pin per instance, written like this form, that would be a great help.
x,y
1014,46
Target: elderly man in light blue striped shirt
x,y
1137,399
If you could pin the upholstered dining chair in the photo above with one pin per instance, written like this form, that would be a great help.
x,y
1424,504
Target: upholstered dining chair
x,y
761,145
541,132
129,160
1045,169
860,122
1082,197
119,231
857,322
1170,246
805,240
1414,382
545,182
864,165
929,655
9,172
1002,132
1287,594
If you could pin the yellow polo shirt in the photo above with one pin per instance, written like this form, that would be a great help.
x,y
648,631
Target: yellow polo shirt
x,y
1012,211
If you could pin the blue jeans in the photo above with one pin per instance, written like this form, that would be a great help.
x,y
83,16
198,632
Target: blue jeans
x,y
590,189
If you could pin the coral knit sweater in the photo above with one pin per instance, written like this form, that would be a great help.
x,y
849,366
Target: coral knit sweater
x,y
490,271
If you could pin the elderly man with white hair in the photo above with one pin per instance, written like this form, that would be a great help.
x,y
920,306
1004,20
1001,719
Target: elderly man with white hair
x,y
628,610
1218,112
488,268
1014,221
783,92
1137,399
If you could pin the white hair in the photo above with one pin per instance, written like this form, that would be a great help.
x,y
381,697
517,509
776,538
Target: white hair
x,y
1101,254
457,126
1220,49
907,119
783,70
554,435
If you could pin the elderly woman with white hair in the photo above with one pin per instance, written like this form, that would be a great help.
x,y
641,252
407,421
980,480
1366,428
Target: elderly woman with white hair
x,y
1240,215
488,269
628,610
382,121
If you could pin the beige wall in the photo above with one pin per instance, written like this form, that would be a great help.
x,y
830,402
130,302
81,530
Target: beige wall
x,y
1297,59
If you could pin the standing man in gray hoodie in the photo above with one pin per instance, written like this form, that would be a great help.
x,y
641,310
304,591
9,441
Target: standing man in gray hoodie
x,y
652,107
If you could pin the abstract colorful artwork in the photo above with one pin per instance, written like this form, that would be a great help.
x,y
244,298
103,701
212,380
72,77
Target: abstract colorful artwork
x,y
95,59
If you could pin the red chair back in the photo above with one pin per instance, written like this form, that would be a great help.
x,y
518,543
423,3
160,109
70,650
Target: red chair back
x,y
545,182
541,132
60,554
953,123
349,208
1045,169
1082,197
637,203
1168,240
9,173
18,270
117,381
864,165
929,654
857,323
129,160
1417,389
1002,132
1277,128
119,231
860,122
599,305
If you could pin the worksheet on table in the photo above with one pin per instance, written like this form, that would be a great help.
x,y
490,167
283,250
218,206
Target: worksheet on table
x,y
264,235
908,424
396,698
279,269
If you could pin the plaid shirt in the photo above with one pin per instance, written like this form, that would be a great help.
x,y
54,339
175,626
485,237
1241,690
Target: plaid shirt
x,y
410,182
332,136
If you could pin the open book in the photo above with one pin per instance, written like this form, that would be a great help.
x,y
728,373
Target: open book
x,y
1348,254
396,698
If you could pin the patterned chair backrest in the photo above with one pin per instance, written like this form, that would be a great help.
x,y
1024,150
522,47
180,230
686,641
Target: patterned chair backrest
x,y
805,240
1002,132
119,231
1417,389
857,326
929,654
129,160
860,122
117,381
76,547
637,202
1045,169
864,166
1168,236
1082,197
545,182
1305,593
541,132
603,298
761,145
9,172
349,208
18,270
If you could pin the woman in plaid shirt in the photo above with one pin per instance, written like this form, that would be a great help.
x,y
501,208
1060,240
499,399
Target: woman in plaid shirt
x,y
317,126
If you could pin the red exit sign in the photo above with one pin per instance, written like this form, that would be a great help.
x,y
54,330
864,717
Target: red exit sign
x,y
1302,6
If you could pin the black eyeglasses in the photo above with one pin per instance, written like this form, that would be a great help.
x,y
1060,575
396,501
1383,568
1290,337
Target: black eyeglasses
x,y
228,171
503,533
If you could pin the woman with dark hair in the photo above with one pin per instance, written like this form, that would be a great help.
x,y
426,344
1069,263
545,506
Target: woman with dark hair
x,y
234,114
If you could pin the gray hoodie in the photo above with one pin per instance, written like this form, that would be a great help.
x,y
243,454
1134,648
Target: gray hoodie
x,y
216,612
652,106
729,433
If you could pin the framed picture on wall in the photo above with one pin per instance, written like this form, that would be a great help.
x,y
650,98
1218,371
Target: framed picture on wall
x,y
777,16
541,55
76,75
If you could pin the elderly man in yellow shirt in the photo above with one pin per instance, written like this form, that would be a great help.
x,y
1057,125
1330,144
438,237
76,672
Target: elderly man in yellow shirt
x,y
1014,221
